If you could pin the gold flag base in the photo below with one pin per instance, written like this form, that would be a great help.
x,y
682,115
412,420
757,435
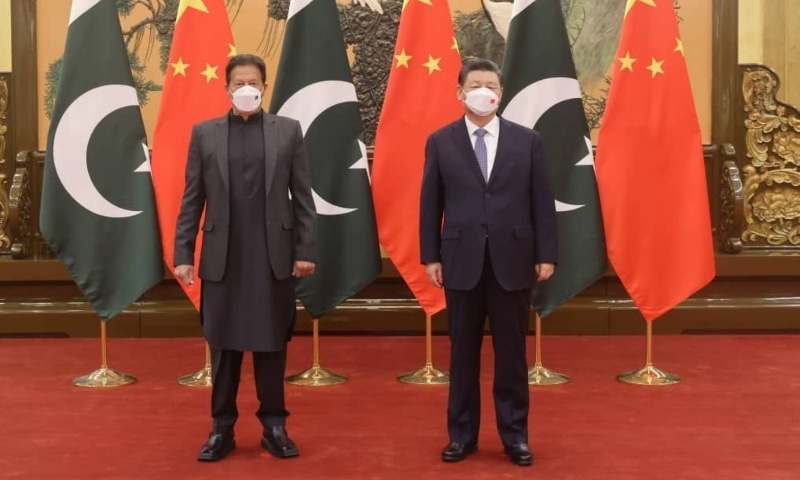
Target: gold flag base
x,y
201,378
539,375
427,375
649,375
316,376
543,376
104,377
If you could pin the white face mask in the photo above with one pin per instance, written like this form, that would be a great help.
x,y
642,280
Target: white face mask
x,y
482,101
247,99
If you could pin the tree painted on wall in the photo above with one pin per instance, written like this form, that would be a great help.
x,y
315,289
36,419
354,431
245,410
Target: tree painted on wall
x,y
151,34
370,28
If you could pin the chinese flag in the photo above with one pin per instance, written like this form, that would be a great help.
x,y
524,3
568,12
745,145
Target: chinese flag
x,y
194,90
420,98
650,168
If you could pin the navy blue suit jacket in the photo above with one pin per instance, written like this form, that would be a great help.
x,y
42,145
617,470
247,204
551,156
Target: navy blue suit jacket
x,y
514,212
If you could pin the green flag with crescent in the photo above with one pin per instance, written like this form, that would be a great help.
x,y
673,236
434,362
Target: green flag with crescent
x,y
542,92
314,86
98,210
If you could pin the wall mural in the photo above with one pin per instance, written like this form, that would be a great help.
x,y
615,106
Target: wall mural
x,y
370,29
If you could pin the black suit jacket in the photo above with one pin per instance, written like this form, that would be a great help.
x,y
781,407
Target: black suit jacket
x,y
290,222
514,212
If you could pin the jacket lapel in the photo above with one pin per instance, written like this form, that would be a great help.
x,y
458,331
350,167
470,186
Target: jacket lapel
x,y
221,139
503,147
464,144
270,150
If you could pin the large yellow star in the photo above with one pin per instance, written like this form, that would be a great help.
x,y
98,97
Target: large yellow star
x,y
432,64
655,67
196,4
426,2
630,3
679,48
627,62
210,73
179,68
232,52
402,59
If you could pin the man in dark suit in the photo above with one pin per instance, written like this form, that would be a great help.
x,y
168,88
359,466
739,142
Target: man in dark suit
x,y
488,178
257,239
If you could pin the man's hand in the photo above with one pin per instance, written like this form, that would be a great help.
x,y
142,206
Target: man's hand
x,y
184,273
544,271
302,269
434,271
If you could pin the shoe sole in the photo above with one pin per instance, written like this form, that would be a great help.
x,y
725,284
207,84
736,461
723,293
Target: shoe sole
x,y
215,458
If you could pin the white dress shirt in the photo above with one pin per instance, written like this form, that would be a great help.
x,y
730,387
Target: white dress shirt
x,y
490,139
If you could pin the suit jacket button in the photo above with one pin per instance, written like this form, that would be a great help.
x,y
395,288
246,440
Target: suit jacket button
x,y
486,195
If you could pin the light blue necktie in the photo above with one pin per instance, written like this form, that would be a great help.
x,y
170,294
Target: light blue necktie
x,y
481,153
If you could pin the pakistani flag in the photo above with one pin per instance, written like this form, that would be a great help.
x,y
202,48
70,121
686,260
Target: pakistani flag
x,y
314,86
98,212
542,92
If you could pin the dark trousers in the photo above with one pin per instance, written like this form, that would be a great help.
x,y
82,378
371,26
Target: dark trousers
x,y
509,314
269,369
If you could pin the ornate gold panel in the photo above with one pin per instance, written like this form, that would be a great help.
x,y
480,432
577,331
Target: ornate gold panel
x,y
772,167
731,205
20,204
5,241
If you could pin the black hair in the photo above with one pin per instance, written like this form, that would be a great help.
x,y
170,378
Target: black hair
x,y
478,65
245,59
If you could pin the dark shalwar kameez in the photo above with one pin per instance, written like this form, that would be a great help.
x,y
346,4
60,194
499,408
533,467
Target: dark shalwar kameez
x,y
249,310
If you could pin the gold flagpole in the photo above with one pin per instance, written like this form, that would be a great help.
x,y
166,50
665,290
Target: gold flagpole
x,y
427,375
202,377
315,376
104,376
649,375
538,374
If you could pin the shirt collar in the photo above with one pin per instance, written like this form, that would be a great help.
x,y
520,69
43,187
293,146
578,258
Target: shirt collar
x,y
492,128
254,117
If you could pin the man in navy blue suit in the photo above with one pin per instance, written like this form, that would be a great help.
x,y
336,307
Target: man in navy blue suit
x,y
487,177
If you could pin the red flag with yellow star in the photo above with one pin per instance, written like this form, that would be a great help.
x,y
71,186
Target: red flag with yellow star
x,y
649,163
194,90
420,98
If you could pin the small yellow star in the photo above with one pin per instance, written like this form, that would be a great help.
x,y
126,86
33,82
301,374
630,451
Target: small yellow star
x,y
402,59
627,62
655,67
455,46
426,2
179,68
432,64
679,48
232,52
196,4
630,3
210,72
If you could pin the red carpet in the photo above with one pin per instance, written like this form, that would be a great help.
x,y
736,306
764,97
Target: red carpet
x,y
735,416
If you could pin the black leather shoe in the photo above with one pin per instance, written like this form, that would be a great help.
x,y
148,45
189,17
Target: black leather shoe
x,y
520,454
217,447
277,442
455,452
